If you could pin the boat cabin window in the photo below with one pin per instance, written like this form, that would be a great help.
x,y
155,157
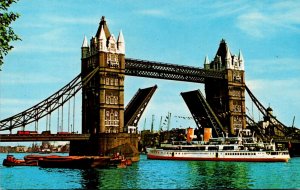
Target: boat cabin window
x,y
201,147
228,147
190,148
213,148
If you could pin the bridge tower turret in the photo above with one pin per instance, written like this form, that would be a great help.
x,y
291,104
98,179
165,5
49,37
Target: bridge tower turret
x,y
227,97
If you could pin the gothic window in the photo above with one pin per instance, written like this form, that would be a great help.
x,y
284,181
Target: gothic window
x,y
111,81
112,46
101,45
116,82
236,93
107,118
116,122
111,99
111,118
116,99
112,121
237,122
237,107
236,76
112,60
107,81
107,99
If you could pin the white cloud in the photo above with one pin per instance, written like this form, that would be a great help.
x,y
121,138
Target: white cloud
x,y
54,19
275,65
12,106
252,23
153,12
46,41
265,20
27,78
14,101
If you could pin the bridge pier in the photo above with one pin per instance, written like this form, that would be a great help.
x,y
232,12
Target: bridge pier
x,y
107,144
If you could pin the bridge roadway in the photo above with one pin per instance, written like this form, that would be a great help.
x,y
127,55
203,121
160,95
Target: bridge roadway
x,y
40,137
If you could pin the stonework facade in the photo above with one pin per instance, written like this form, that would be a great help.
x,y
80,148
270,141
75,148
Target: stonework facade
x,y
103,96
227,97
103,63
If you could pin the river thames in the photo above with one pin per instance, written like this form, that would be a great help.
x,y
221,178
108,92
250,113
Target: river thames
x,y
157,174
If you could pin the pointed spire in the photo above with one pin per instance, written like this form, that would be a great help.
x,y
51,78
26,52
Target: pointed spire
x,y
102,34
228,54
85,48
102,40
85,43
228,58
120,37
121,43
241,57
112,39
206,60
105,28
241,61
206,63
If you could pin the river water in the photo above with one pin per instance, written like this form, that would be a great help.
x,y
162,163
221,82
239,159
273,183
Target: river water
x,y
157,174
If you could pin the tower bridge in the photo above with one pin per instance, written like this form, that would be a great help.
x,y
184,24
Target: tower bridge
x,y
106,124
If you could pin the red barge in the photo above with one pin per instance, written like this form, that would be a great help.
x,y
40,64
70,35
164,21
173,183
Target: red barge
x,y
12,161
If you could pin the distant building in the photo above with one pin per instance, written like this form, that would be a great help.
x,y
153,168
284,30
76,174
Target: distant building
x,y
270,126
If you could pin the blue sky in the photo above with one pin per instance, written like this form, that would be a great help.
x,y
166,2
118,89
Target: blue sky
x,y
175,31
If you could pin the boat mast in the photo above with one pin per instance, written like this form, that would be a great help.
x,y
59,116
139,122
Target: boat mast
x,y
152,124
144,128
160,124
168,125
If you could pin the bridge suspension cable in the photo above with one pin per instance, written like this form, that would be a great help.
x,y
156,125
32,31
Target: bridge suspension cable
x,y
264,111
48,105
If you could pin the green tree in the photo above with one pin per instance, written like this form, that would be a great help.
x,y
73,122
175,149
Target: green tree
x,y
7,33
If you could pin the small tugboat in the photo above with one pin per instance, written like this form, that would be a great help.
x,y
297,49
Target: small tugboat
x,y
120,161
12,161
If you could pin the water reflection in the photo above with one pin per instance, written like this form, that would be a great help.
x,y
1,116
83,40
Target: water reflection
x,y
156,174
90,179
220,175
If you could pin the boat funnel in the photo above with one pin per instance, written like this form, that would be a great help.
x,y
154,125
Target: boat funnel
x,y
207,134
189,134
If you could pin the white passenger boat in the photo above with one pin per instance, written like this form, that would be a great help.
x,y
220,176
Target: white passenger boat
x,y
241,149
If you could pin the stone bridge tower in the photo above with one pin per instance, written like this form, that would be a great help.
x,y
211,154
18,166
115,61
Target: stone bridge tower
x,y
103,95
227,97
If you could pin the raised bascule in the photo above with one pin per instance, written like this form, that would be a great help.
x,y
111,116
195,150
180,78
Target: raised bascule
x,y
109,127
